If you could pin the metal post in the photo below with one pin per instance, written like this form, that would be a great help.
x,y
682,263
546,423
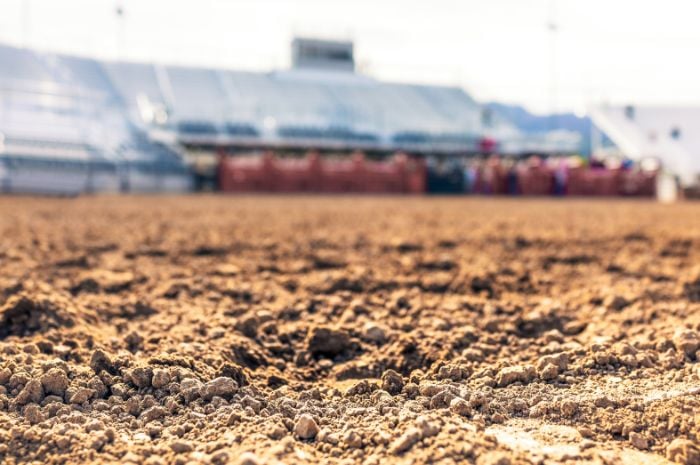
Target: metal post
x,y
553,29
121,29
26,18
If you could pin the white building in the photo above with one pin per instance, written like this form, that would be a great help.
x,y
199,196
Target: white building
x,y
669,134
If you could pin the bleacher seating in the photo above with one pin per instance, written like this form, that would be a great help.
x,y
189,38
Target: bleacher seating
x,y
135,82
197,94
21,66
241,129
66,130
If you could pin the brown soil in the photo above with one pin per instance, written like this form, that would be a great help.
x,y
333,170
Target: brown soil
x,y
348,330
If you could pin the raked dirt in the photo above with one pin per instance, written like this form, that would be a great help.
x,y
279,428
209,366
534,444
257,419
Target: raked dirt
x,y
343,330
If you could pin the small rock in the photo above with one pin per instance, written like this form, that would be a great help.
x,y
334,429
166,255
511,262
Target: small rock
x,y
683,451
33,414
134,341
687,342
638,441
18,379
180,447
520,373
221,386
277,432
392,382
54,381
248,325
161,378
5,375
306,427
32,392
381,438
372,332
361,387
442,399
405,442
100,362
352,440
248,401
327,341
574,327
568,408
233,418
94,425
141,376
549,372
461,407
31,349
120,390
190,388
96,384
154,413
560,361
220,457
325,435
80,396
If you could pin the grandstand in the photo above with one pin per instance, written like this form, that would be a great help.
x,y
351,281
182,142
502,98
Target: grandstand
x,y
122,126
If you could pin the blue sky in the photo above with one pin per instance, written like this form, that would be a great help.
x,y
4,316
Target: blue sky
x,y
619,51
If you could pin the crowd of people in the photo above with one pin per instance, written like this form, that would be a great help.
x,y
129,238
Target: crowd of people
x,y
495,175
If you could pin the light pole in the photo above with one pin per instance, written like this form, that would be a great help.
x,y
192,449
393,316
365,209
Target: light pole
x,y
120,17
553,28
26,21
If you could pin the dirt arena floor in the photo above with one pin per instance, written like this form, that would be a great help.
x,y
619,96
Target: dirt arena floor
x,y
269,330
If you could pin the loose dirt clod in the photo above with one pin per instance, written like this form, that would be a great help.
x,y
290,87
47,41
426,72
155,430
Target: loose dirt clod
x,y
306,427
32,392
510,375
392,382
683,451
328,341
55,381
405,441
222,387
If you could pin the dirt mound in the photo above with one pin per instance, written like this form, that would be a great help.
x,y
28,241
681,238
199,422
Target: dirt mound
x,y
22,315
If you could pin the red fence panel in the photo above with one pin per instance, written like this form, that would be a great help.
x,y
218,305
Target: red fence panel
x,y
637,183
403,174
536,180
593,182
314,174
